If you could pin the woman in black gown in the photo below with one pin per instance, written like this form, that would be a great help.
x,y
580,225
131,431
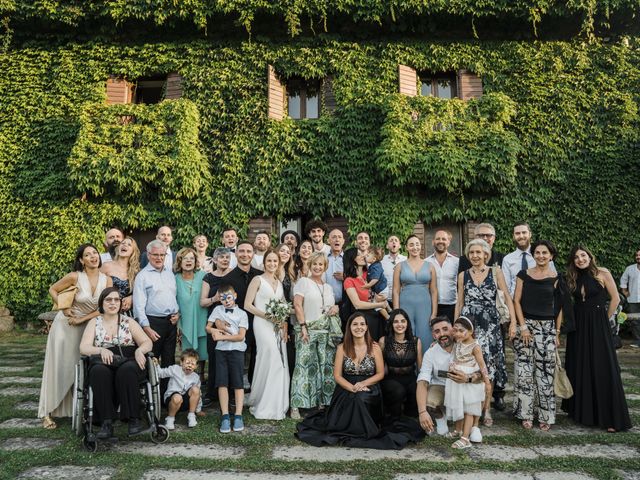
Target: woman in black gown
x,y
354,415
591,361
402,353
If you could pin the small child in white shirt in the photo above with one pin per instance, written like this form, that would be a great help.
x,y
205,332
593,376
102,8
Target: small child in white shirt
x,y
183,391
230,331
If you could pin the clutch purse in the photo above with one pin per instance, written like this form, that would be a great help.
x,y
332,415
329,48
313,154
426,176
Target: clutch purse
x,y
561,384
65,298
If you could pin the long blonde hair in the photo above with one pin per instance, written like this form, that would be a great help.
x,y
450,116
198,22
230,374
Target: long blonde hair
x,y
133,265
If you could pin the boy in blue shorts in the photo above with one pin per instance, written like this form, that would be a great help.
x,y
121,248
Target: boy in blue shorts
x,y
230,332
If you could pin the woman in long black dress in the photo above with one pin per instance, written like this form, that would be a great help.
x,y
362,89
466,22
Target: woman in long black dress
x,y
402,352
354,415
591,361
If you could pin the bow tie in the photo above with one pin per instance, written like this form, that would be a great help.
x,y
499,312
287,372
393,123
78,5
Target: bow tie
x,y
233,249
228,310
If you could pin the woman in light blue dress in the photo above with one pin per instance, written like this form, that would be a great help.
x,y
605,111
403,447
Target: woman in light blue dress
x,y
415,290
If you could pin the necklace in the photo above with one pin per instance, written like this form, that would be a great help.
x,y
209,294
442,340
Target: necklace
x,y
478,273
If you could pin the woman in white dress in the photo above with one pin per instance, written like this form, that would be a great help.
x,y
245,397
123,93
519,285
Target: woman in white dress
x,y
63,343
269,398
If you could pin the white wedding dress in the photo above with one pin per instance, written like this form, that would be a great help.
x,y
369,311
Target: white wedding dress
x,y
269,398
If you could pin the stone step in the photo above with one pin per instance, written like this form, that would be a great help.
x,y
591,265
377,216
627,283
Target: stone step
x,y
204,475
69,472
495,476
26,443
31,406
342,454
21,423
20,380
13,369
19,391
191,450
504,453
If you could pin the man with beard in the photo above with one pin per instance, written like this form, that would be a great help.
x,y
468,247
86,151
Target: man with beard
x,y
521,258
314,231
430,388
112,239
261,244
390,260
446,266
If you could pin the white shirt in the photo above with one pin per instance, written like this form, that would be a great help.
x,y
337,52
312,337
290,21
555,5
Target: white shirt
x,y
512,264
317,298
434,359
326,249
447,276
178,381
237,319
106,257
388,264
257,261
631,281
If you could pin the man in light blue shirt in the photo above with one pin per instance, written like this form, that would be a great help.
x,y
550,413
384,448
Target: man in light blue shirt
x,y
521,258
154,303
335,271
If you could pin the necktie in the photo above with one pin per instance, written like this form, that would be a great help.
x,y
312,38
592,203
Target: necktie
x,y
228,310
525,264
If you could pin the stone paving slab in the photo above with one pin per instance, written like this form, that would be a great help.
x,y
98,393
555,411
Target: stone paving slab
x,y
495,476
633,396
628,376
501,453
19,391
21,423
616,451
209,451
26,443
69,472
629,475
340,454
496,431
13,369
31,406
22,380
200,475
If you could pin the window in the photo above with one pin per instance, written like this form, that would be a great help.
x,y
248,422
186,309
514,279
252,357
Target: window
x,y
303,98
149,90
441,85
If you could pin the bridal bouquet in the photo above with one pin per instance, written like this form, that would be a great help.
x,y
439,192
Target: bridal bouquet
x,y
278,312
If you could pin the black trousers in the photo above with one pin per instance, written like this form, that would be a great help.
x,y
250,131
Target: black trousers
x,y
116,386
399,391
251,349
212,391
165,346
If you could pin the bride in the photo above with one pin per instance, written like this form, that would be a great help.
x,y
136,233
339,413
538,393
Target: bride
x,y
269,398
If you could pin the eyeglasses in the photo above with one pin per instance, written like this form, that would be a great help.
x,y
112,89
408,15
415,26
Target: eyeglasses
x,y
224,296
158,255
112,300
485,235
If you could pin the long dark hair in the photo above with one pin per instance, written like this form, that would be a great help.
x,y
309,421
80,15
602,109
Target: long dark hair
x,y
572,270
295,267
103,295
349,262
408,334
77,264
347,344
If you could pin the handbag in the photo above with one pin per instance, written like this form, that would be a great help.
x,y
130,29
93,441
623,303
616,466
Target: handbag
x,y
561,384
501,304
65,298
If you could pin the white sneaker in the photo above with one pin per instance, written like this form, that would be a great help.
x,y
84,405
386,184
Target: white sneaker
x,y
170,423
441,426
191,420
476,435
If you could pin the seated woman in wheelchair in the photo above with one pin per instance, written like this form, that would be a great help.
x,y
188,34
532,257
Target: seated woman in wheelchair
x,y
117,346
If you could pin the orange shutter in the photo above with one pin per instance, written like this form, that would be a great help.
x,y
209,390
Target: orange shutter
x,y
119,91
174,86
328,98
408,80
275,95
469,85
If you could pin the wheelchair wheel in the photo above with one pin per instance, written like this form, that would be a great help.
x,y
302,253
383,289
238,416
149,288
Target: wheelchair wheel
x,y
154,382
90,445
78,399
160,434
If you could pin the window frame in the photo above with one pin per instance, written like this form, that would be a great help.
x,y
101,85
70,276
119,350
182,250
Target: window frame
x,y
433,81
303,88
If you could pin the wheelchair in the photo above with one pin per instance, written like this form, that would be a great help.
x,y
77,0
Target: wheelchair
x,y
150,403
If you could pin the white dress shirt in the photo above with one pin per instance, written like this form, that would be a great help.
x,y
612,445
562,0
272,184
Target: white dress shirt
x,y
154,293
631,281
257,261
388,264
512,264
236,319
106,257
434,359
447,276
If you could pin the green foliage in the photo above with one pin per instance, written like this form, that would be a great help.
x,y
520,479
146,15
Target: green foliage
x,y
574,137
453,144
139,152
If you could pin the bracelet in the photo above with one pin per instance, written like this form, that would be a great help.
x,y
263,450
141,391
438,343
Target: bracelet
x,y
423,411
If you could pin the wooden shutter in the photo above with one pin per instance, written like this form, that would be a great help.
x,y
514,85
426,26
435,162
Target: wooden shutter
x,y
275,95
119,91
258,224
328,98
174,86
340,223
469,85
418,231
408,80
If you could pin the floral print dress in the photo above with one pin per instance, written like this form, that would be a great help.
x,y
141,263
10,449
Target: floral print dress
x,y
480,308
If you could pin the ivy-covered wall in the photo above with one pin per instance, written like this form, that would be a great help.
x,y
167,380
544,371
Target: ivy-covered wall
x,y
564,117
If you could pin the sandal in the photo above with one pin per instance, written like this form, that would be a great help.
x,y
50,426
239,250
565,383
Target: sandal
x,y
461,443
528,425
48,423
453,434
488,419
545,427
